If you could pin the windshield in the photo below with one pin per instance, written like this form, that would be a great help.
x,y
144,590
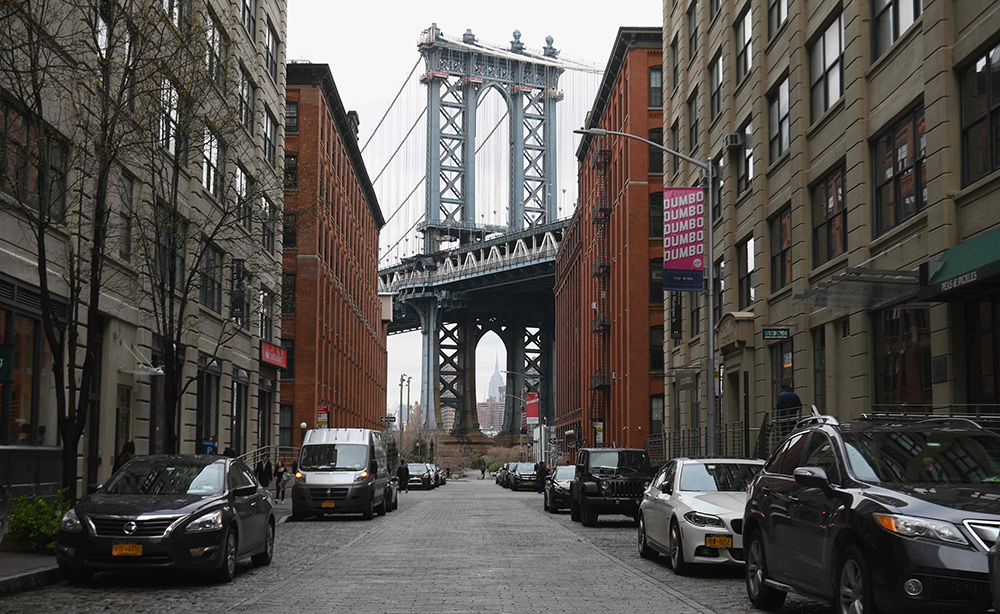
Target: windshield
x,y
418,468
525,468
931,456
334,457
636,460
718,477
565,473
167,479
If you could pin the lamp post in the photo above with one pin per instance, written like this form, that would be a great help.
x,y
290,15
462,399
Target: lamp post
x,y
402,381
709,252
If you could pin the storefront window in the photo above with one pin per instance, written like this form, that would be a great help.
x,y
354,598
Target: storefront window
x,y
27,402
902,358
982,330
781,368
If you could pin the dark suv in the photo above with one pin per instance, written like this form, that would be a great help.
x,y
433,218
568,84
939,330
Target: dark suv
x,y
876,515
608,481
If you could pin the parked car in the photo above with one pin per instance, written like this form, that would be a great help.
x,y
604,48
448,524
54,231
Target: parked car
x,y
341,471
522,476
608,481
876,515
186,511
393,493
556,494
692,511
442,476
503,474
420,476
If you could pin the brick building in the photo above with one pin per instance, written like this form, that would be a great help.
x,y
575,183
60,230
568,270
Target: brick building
x,y
609,299
332,317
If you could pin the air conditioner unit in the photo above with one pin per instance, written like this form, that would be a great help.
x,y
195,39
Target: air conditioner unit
x,y
593,305
734,140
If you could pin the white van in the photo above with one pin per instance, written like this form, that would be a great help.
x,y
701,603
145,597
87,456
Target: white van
x,y
341,471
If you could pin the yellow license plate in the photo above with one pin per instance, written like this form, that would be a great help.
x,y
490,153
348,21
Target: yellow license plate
x,y
126,550
719,541
328,504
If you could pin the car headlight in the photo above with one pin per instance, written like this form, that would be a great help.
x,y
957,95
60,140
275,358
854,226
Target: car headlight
x,y
70,522
704,520
360,477
909,526
300,477
207,522
560,488
605,484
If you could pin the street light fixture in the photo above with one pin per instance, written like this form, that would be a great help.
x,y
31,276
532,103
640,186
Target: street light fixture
x,y
709,250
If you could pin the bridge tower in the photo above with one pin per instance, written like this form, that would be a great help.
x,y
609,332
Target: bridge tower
x,y
458,73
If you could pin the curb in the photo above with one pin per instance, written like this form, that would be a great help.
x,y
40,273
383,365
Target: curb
x,y
30,580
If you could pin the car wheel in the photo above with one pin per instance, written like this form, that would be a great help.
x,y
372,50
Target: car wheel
x,y
227,566
853,585
383,507
762,596
588,515
395,500
369,512
644,550
545,501
264,558
574,511
677,562
78,577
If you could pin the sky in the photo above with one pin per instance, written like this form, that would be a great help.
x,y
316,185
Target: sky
x,y
371,47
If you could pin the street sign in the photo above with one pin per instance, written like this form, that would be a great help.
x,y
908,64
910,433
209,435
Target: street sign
x,y
775,332
388,418
556,440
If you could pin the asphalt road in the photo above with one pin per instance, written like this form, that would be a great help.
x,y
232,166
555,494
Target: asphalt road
x,y
469,546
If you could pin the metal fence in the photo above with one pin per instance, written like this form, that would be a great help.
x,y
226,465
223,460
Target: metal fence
x,y
730,442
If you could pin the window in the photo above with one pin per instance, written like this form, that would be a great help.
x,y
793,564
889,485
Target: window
x,y
215,52
247,92
289,228
980,116
656,215
717,187
656,348
211,278
248,15
892,18
176,12
716,86
285,429
903,357
829,218
271,51
240,295
819,368
32,163
826,68
207,419
27,401
655,153
781,367
125,216
289,371
901,171
779,124
745,258
692,19
718,290
777,13
744,164
695,298
169,118
265,406
291,172
675,62
675,144
655,87
744,52
291,117
267,217
656,281
266,315
242,187
213,160
171,240
781,249
288,294
270,138
241,393
713,8
656,412
693,121
695,403
123,417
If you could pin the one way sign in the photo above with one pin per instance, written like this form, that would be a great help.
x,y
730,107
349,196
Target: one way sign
x,y
388,418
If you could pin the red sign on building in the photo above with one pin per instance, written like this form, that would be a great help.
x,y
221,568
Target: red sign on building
x,y
273,355
532,407
323,417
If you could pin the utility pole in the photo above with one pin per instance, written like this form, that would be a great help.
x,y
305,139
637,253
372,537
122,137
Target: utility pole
x,y
408,379
402,380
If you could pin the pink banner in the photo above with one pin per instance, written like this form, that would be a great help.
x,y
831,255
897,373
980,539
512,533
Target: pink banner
x,y
532,408
683,238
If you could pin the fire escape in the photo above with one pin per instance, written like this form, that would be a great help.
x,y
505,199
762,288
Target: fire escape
x,y
600,381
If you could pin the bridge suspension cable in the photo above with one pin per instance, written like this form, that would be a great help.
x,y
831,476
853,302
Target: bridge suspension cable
x,y
401,143
406,82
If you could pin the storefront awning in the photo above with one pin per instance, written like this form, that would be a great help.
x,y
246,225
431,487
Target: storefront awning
x,y
970,268
859,288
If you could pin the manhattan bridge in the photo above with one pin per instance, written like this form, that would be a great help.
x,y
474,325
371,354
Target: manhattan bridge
x,y
477,255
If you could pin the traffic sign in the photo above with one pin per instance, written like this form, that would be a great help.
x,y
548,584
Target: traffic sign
x,y
388,418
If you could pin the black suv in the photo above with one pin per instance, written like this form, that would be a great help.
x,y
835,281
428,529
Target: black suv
x,y
608,481
876,515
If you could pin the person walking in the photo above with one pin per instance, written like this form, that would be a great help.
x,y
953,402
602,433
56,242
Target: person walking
x,y
541,472
127,454
263,471
279,481
403,474
788,407
482,472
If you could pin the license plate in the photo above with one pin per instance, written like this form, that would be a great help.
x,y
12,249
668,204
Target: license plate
x,y
328,504
719,541
126,550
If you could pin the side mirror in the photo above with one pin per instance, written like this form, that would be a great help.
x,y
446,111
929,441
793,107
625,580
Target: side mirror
x,y
812,477
373,467
245,491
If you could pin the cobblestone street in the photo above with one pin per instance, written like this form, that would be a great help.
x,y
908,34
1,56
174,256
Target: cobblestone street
x,y
470,546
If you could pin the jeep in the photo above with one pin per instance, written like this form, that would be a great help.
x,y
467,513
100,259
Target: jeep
x,y
608,481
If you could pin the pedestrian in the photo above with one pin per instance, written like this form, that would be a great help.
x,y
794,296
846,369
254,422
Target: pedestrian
x,y
541,472
263,471
279,480
127,454
403,474
229,452
788,407
482,472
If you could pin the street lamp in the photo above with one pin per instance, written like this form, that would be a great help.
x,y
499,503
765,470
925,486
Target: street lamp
x,y
709,250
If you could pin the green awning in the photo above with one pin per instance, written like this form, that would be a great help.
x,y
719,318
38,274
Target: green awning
x,y
970,267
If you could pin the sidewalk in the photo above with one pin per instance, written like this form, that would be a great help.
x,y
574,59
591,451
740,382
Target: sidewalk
x,y
21,571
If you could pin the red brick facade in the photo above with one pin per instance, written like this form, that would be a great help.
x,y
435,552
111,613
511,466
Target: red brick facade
x,y
336,328
634,248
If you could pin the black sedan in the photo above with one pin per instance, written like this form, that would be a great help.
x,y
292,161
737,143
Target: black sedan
x,y
179,511
557,488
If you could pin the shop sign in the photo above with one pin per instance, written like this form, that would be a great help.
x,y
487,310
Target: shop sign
x,y
683,239
676,316
775,332
532,407
599,434
6,362
273,355
685,378
323,417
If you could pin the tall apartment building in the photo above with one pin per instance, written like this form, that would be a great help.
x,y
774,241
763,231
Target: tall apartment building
x,y
183,310
609,269
334,321
855,227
